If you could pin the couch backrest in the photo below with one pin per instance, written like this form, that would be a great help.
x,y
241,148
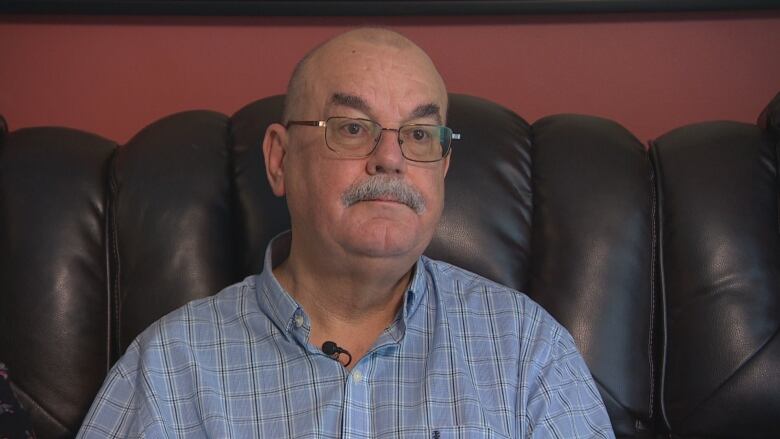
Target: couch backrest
x,y
97,241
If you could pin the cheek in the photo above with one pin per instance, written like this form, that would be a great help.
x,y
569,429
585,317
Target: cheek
x,y
432,186
322,184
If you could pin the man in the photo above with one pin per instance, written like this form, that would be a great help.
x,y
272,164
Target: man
x,y
349,331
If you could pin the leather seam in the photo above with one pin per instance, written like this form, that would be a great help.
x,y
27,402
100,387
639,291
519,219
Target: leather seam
x,y
661,283
114,249
107,242
653,236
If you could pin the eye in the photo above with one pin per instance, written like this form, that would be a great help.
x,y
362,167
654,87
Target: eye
x,y
419,134
353,128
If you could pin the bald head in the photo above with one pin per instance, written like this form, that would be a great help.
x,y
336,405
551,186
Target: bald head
x,y
379,76
341,49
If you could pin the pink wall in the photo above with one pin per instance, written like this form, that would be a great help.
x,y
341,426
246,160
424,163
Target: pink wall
x,y
650,72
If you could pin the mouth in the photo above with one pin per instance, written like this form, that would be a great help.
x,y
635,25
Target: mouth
x,y
386,200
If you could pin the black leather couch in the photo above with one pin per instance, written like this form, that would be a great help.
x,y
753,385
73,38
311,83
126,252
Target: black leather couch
x,y
663,265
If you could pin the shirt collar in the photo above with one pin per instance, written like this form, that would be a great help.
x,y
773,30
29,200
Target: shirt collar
x,y
283,309
274,301
416,291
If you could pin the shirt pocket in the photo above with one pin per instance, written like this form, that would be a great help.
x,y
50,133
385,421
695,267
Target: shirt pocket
x,y
464,432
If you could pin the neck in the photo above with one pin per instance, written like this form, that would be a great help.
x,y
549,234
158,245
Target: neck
x,y
350,304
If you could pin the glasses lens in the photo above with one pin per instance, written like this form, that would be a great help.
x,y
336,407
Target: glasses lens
x,y
351,137
425,143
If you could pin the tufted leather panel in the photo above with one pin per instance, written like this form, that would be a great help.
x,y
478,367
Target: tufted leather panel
x,y
53,308
172,219
592,254
720,253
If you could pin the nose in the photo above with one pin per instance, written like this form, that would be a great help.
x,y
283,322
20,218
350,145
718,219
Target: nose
x,y
387,157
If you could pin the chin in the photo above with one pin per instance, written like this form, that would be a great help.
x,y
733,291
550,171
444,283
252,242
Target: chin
x,y
386,229
382,240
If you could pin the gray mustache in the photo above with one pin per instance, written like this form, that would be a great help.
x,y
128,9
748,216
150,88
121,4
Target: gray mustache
x,y
384,187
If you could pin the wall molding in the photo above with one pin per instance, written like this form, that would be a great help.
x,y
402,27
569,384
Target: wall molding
x,y
369,7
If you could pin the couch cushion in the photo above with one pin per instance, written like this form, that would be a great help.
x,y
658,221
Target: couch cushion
x,y
720,253
53,271
173,232
593,255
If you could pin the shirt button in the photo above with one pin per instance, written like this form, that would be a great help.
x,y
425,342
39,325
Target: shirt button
x,y
357,376
298,321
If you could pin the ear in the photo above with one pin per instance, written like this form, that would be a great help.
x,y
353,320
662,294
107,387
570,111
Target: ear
x,y
274,152
446,163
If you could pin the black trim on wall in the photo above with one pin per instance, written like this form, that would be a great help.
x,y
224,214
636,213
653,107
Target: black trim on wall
x,y
369,7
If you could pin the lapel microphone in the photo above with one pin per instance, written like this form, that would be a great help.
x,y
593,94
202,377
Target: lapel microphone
x,y
333,350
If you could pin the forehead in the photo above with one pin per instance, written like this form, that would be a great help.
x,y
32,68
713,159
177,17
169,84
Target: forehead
x,y
387,77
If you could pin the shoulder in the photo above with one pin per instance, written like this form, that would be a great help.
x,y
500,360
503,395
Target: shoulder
x,y
202,320
476,305
231,302
134,396
461,290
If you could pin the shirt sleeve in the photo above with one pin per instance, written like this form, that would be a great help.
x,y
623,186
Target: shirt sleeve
x,y
125,406
563,401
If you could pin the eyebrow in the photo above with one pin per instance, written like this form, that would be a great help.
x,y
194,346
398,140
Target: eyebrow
x,y
427,110
358,103
351,101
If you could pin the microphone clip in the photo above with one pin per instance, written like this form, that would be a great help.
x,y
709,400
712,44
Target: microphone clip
x,y
333,350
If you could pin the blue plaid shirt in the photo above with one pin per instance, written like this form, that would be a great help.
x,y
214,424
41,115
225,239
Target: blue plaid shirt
x,y
465,358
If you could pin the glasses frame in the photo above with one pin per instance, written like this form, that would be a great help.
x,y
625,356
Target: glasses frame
x,y
324,124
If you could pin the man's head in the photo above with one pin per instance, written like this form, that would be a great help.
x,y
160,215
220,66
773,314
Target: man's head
x,y
381,205
300,80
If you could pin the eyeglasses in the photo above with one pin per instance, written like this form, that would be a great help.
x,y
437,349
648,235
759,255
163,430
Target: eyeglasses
x,y
355,138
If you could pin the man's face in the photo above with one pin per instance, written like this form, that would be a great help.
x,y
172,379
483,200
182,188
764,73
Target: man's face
x,y
392,86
